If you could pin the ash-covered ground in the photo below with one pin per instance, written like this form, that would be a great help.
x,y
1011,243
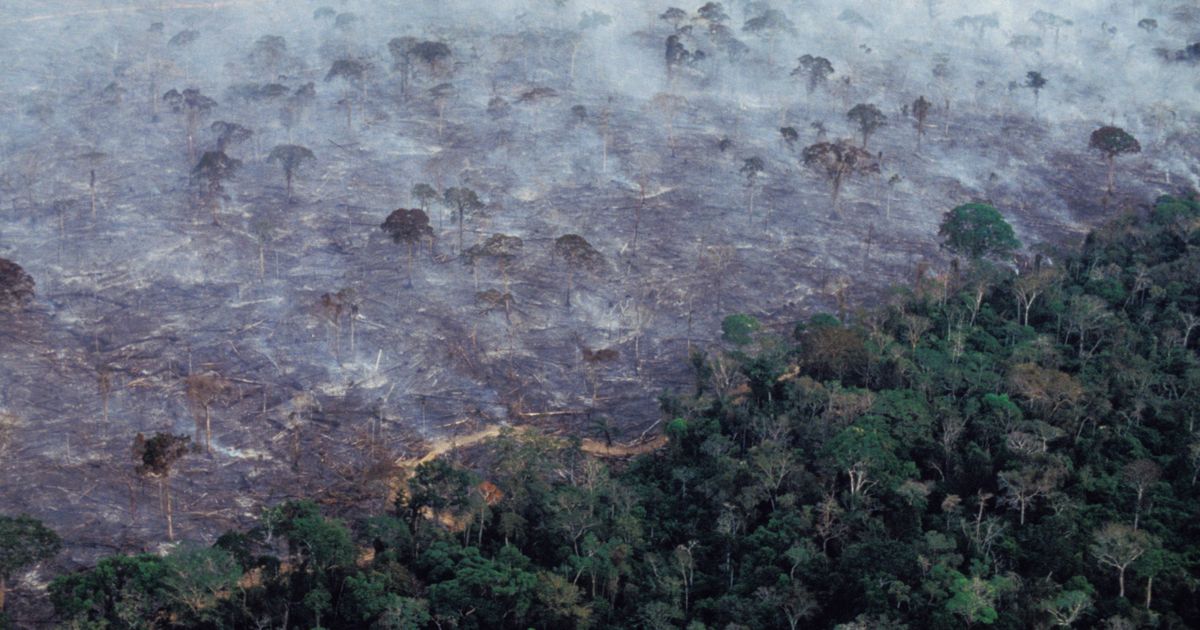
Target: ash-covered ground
x,y
161,301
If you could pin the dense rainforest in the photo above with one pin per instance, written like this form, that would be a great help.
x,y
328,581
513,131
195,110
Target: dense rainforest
x,y
1010,443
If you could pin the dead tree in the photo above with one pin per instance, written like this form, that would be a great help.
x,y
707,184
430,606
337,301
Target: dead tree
x,y
502,248
203,390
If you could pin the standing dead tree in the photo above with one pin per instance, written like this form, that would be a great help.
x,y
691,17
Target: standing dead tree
x,y
203,391
752,168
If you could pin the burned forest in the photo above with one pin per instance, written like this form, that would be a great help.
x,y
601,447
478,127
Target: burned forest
x,y
570,314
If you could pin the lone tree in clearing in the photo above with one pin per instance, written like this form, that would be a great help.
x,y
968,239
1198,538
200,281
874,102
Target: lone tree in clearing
x,y
1035,81
836,160
815,70
977,231
290,156
579,256
464,201
1111,142
920,111
868,118
214,168
23,541
16,286
154,458
408,227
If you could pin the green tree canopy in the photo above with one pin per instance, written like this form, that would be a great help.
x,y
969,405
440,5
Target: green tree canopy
x,y
978,230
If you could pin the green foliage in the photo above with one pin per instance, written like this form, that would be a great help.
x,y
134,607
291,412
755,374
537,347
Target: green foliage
x,y
944,462
739,329
24,541
978,230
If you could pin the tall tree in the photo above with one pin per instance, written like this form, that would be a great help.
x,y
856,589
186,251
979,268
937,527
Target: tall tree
x,y
203,390
579,255
815,71
214,169
290,157
1111,142
1118,546
1035,81
867,118
194,106
837,160
920,111
154,458
409,227
464,201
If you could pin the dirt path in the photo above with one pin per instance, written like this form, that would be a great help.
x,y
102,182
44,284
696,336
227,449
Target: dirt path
x,y
441,446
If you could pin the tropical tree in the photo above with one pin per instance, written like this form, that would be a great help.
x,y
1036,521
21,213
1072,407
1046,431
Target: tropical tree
x,y
579,255
1111,142
868,118
464,201
215,168
154,458
1035,81
920,111
814,70
1118,546
290,157
409,227
837,160
194,106
424,193
978,230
